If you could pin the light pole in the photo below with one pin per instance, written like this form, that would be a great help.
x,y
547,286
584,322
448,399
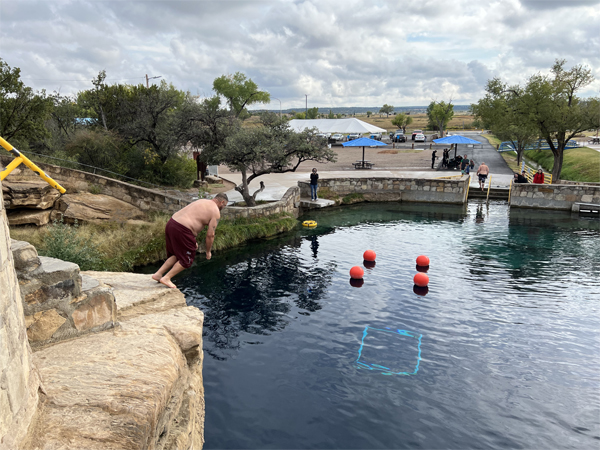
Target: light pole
x,y
151,78
306,95
279,105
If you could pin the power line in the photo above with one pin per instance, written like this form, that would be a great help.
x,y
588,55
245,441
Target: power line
x,y
86,81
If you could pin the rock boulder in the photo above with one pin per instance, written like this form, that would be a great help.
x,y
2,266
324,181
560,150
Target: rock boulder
x,y
29,194
86,207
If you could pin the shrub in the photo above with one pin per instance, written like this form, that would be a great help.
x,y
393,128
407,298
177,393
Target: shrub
x,y
63,242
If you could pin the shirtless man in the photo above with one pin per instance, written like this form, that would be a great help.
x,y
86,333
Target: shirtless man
x,y
181,232
483,171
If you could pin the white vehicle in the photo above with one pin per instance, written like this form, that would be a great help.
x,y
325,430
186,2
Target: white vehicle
x,y
323,135
353,136
376,136
420,138
337,137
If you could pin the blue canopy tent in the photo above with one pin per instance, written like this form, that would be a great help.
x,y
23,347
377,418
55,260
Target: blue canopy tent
x,y
364,142
456,139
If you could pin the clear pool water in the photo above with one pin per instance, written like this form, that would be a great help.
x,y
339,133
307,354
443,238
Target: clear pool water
x,y
502,352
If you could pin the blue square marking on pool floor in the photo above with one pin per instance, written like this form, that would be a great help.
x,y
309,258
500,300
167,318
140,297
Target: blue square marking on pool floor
x,y
385,350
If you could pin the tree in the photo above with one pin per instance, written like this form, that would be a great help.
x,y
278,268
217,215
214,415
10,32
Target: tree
x,y
387,110
402,120
239,92
369,113
439,114
300,116
312,113
271,148
22,111
499,112
331,115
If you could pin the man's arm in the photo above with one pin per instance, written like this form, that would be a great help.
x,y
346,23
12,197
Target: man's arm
x,y
210,235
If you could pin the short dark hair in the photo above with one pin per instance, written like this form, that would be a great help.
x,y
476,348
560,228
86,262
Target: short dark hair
x,y
222,196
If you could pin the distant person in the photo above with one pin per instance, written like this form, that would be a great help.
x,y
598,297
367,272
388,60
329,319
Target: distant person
x,y
314,184
433,158
181,232
482,172
538,178
521,178
463,163
445,158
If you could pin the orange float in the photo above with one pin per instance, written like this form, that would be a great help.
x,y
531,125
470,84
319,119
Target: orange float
x,y
357,273
369,255
421,279
422,261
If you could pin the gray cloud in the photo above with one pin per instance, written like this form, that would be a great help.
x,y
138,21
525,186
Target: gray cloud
x,y
338,53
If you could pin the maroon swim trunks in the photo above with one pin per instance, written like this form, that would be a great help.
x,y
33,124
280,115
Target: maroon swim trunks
x,y
181,242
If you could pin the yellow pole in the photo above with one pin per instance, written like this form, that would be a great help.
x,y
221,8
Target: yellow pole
x,y
468,185
509,191
29,164
489,186
12,166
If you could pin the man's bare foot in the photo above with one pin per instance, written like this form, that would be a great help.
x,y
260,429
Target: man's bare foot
x,y
156,277
167,282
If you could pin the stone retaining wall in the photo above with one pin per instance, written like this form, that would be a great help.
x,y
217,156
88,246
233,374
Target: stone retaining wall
x,y
77,180
289,203
553,196
19,381
395,189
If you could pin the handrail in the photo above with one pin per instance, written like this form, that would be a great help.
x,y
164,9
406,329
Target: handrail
x,y
509,191
530,172
468,186
488,191
21,158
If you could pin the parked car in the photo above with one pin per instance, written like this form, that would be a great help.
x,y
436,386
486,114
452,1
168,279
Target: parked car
x,y
420,137
338,137
399,137
376,136
415,132
323,135
353,136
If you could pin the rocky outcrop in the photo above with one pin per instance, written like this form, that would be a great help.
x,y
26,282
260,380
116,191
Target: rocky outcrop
x,y
29,217
136,386
58,302
94,208
29,194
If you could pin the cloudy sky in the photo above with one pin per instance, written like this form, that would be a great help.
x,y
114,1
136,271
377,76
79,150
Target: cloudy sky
x,y
339,52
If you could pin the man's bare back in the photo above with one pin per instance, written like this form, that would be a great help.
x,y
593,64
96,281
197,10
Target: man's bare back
x,y
198,215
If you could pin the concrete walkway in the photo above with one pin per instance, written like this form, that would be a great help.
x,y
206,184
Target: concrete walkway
x,y
278,183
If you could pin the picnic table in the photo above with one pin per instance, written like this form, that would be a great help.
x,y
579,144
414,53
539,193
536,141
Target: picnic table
x,y
363,164
594,140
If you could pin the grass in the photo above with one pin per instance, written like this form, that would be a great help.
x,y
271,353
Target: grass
x,y
579,164
328,194
492,139
353,198
511,161
120,247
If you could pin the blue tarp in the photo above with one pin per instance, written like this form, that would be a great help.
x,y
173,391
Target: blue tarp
x,y
456,139
363,142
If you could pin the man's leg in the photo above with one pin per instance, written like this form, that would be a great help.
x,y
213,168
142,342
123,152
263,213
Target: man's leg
x,y
166,280
164,268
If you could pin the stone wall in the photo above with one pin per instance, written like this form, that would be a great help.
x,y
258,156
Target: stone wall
x,y
19,381
395,189
289,203
77,180
553,196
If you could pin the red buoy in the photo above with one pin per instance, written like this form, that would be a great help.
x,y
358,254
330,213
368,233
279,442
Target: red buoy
x,y
357,273
422,261
421,279
369,255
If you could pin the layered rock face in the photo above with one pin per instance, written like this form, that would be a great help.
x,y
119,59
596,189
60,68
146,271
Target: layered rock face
x,y
19,381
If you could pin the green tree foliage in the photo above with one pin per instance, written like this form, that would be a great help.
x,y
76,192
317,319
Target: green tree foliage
x,y
240,92
387,110
331,115
23,112
499,112
547,104
402,120
312,113
439,114
271,148
300,116
369,113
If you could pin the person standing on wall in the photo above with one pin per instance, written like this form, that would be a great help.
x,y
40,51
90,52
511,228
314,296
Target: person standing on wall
x,y
538,178
181,232
314,183
482,171
433,158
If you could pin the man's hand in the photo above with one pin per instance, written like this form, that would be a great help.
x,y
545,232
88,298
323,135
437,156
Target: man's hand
x,y
208,255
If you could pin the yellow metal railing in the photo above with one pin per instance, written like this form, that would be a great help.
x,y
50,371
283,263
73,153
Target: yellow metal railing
x,y
20,158
488,191
510,190
468,186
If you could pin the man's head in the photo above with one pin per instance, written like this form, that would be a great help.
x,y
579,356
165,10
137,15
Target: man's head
x,y
482,163
523,172
314,170
221,200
